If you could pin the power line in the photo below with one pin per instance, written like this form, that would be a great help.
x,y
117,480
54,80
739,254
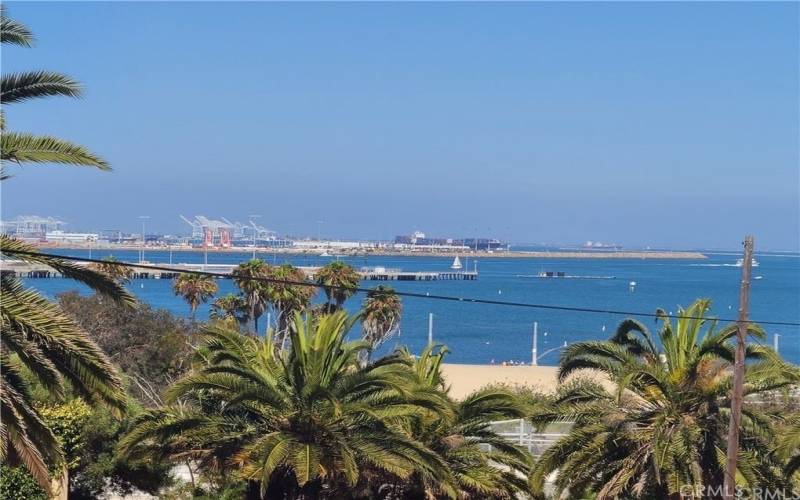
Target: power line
x,y
449,298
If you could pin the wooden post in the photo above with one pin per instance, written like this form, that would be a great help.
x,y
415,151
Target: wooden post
x,y
738,372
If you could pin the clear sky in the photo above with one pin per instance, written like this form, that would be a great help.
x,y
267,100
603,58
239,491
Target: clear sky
x,y
663,124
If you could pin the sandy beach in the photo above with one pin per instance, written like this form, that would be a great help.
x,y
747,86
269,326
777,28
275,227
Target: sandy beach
x,y
464,379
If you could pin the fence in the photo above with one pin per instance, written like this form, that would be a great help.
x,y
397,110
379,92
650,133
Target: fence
x,y
522,433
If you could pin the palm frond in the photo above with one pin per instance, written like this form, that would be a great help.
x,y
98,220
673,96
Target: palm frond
x,y
18,87
14,32
99,282
70,351
27,148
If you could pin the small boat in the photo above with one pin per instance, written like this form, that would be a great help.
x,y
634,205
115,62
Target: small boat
x,y
325,254
740,262
456,263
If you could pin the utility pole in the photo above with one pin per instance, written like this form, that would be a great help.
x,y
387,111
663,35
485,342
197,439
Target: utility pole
x,y
534,353
144,240
775,342
738,372
430,329
255,232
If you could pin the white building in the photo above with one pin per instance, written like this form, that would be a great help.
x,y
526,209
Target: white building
x,y
62,237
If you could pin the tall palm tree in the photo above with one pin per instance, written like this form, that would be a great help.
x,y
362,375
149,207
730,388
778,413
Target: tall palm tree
x,y
480,463
287,297
255,291
307,423
39,340
340,281
17,87
230,306
111,268
664,423
195,289
380,316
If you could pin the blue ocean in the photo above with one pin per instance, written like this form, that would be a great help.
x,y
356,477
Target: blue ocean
x,y
480,333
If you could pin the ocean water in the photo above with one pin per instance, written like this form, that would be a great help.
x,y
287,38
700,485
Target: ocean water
x,y
477,333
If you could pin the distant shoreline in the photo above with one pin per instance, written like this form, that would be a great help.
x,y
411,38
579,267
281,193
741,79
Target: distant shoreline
x,y
611,254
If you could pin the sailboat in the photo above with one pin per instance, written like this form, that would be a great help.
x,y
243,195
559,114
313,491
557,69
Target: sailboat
x,y
456,264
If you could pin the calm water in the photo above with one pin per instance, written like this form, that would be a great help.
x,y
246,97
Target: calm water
x,y
478,333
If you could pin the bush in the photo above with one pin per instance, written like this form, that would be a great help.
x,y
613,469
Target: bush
x,y
99,465
89,437
150,346
17,484
68,421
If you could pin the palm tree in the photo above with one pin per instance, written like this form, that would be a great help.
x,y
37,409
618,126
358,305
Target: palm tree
x,y
41,342
18,87
248,277
287,296
306,423
340,281
111,268
480,463
230,306
38,340
664,424
789,447
195,289
380,316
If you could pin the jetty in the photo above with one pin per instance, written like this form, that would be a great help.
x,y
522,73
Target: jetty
x,y
384,274
33,270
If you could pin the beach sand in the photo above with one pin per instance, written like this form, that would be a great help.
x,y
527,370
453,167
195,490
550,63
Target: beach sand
x,y
464,379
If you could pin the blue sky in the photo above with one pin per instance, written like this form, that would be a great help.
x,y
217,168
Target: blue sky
x,y
663,124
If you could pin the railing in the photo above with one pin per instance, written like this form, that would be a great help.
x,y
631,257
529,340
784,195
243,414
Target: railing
x,y
522,433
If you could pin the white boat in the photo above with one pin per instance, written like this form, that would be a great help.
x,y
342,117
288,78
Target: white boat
x,y
740,262
325,254
456,263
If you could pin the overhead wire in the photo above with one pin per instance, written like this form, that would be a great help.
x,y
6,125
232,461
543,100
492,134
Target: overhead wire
x,y
417,295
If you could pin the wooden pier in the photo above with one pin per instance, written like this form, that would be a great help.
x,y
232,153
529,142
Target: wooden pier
x,y
377,274
26,270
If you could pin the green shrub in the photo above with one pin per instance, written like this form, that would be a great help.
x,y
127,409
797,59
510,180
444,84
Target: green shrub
x,y
67,421
17,484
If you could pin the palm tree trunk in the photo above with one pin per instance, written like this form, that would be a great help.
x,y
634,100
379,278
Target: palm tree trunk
x,y
60,486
